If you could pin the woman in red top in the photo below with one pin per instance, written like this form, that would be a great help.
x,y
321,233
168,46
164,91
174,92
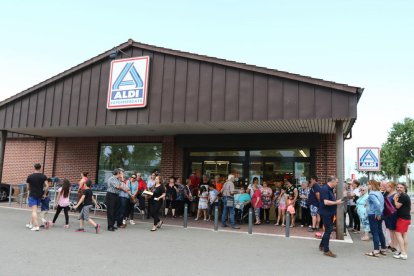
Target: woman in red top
x,y
82,184
257,203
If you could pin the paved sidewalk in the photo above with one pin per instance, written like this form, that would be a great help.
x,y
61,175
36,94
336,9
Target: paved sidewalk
x,y
176,251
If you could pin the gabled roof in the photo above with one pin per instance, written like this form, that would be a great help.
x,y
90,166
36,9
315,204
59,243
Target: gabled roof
x,y
224,62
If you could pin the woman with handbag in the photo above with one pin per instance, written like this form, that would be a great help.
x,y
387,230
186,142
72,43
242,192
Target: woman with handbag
x,y
133,196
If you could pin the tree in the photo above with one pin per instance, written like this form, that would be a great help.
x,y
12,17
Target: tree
x,y
398,151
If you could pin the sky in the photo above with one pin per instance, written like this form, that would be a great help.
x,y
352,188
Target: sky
x,y
366,44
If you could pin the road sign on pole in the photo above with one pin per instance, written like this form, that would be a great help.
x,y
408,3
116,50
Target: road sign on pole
x,y
369,159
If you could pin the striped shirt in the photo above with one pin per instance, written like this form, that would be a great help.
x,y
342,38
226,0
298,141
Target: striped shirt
x,y
113,183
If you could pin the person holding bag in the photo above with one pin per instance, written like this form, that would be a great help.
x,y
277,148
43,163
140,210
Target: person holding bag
x,y
133,196
228,202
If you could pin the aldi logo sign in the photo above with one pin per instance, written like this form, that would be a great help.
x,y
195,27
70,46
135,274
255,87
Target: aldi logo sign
x,y
369,159
128,81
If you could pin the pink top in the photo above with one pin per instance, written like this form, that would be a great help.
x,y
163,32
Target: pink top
x,y
63,201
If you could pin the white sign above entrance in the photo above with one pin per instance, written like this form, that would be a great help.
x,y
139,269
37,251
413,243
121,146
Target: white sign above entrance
x,y
369,159
128,81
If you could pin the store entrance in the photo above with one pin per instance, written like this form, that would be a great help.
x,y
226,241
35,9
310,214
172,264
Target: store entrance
x,y
222,167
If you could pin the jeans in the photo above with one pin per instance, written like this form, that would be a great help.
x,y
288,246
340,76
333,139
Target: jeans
x,y
328,225
212,207
224,215
123,205
376,231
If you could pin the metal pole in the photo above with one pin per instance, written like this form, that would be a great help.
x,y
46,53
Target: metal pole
x,y
185,215
216,212
3,137
339,132
250,221
10,194
287,229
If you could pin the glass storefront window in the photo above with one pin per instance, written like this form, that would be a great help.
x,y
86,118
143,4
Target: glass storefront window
x,y
233,153
278,171
255,170
281,153
302,172
143,158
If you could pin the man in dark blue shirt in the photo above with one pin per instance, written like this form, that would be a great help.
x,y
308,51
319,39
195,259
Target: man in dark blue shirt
x,y
327,210
313,199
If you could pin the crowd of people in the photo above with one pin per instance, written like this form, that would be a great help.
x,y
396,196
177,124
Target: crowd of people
x,y
380,210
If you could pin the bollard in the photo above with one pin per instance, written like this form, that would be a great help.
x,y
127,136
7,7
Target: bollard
x,y
287,225
10,194
216,218
250,221
185,215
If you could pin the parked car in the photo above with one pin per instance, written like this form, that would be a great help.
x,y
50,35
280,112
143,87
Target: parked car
x,y
5,191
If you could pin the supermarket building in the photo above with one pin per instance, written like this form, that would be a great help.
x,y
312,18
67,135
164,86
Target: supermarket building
x,y
143,107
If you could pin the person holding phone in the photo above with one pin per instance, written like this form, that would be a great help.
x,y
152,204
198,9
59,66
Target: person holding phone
x,y
327,211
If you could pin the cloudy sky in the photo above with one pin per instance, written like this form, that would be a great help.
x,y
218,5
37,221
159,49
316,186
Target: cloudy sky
x,y
361,43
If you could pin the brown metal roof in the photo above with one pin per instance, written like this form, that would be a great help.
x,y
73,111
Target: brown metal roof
x,y
238,65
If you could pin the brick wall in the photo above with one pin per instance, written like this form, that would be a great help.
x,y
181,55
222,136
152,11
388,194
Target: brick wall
x,y
20,156
68,157
326,157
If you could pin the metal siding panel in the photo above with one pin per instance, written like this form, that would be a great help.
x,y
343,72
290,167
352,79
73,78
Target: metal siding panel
x,y
132,114
57,104
246,96
74,100
306,101
275,96
50,93
218,93
204,96
143,113
24,113
9,115
103,93
84,97
193,81
40,110
93,95
180,89
290,99
16,114
323,102
168,90
32,111
339,105
232,95
260,97
353,102
156,89
64,116
2,117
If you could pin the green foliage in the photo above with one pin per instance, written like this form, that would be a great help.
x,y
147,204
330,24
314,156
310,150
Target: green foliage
x,y
398,150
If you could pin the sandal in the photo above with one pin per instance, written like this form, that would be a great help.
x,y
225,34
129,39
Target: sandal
x,y
383,252
257,223
372,254
160,224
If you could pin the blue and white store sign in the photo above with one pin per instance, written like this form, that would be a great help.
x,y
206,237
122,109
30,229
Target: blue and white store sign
x,y
369,159
128,81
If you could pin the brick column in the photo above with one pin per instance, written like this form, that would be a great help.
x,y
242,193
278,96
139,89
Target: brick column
x,y
167,156
326,157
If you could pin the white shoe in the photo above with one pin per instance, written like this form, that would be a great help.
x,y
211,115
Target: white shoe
x,y
123,221
401,256
29,225
196,219
132,222
35,228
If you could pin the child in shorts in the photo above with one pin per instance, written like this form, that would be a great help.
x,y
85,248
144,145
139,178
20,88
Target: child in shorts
x,y
87,199
44,205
